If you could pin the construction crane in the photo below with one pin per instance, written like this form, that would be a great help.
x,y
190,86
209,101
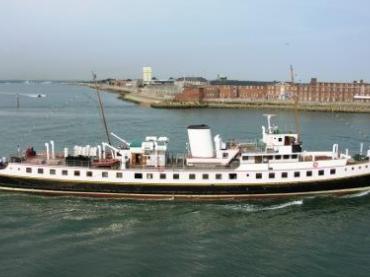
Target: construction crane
x,y
296,105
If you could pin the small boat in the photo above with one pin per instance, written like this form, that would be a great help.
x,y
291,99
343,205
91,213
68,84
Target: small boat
x,y
210,169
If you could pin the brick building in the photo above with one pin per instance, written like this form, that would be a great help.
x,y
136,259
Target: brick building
x,y
313,92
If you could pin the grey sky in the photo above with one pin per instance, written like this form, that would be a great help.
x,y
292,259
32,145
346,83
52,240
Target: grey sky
x,y
243,39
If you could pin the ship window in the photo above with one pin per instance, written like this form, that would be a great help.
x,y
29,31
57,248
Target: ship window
x,y
218,176
270,157
89,174
40,171
29,170
176,176
77,173
258,159
278,157
294,156
309,173
297,174
225,155
258,175
280,139
162,176
245,158
149,175
52,171
104,174
233,176
332,171
284,175
286,157
321,172
205,176
192,176
271,175
65,172
119,175
138,176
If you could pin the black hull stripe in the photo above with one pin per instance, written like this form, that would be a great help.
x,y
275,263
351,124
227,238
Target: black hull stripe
x,y
327,185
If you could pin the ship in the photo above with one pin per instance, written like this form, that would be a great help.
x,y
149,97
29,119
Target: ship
x,y
210,169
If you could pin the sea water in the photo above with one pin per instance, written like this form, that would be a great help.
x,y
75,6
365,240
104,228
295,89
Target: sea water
x,y
67,236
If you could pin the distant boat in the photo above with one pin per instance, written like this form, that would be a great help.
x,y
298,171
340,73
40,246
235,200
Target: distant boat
x,y
35,95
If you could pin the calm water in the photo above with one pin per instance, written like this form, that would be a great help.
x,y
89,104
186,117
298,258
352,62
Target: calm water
x,y
47,236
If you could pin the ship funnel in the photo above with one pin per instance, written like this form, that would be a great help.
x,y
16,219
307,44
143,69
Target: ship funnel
x,y
200,141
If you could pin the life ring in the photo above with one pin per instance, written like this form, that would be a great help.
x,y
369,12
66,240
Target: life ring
x,y
315,164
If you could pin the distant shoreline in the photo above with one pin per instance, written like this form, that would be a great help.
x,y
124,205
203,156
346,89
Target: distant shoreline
x,y
159,103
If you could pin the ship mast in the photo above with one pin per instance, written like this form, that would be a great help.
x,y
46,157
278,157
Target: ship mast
x,y
101,108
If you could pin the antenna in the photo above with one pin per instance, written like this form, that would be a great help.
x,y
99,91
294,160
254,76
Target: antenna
x,y
101,107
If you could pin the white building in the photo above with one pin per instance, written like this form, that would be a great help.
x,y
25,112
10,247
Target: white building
x,y
192,81
147,75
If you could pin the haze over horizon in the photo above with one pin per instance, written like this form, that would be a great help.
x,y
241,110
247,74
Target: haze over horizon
x,y
242,39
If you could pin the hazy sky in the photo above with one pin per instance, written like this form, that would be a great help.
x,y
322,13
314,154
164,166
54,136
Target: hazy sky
x,y
243,39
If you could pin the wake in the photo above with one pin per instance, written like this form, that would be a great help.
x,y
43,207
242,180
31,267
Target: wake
x,y
355,195
258,208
